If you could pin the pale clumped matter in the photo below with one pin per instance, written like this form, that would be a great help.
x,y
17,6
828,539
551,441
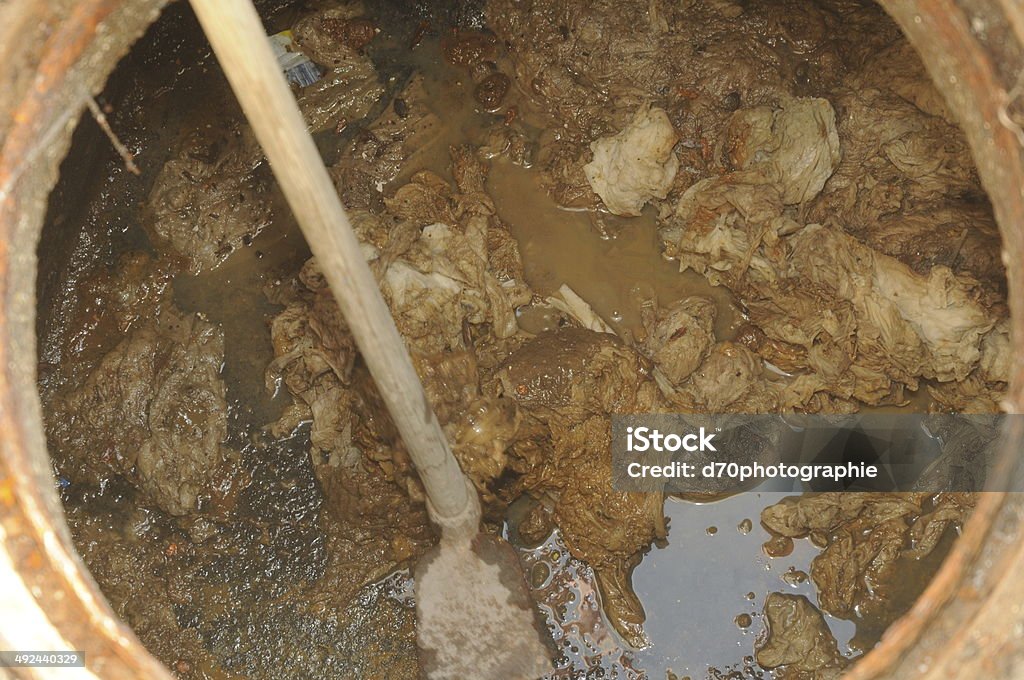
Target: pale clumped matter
x,y
820,179
207,200
865,537
795,146
213,195
867,326
635,165
153,408
838,141
566,384
827,186
798,644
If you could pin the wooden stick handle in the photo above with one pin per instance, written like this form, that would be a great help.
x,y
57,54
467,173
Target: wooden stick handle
x,y
240,43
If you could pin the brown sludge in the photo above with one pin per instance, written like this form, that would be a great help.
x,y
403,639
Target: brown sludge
x,y
793,153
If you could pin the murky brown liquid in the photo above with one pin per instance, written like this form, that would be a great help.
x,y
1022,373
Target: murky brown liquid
x,y
693,589
615,272
614,263
233,296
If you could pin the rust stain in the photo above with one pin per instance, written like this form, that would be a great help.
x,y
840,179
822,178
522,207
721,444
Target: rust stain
x,y
7,492
940,30
40,110
63,49
34,561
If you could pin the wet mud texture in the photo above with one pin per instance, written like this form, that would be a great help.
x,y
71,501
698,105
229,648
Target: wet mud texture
x,y
514,172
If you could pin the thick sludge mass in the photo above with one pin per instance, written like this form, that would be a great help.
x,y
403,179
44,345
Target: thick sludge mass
x,y
573,210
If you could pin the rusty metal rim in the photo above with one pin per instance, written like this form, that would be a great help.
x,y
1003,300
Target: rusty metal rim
x,y
77,58
34,535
